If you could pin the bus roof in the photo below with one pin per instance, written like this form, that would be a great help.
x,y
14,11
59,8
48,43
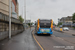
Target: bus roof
x,y
45,19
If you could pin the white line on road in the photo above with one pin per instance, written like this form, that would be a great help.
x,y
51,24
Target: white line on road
x,y
60,38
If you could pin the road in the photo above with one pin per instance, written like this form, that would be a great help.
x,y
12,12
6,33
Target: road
x,y
25,41
58,41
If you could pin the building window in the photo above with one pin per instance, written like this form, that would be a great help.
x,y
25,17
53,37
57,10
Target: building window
x,y
16,27
0,16
7,27
1,26
12,27
4,27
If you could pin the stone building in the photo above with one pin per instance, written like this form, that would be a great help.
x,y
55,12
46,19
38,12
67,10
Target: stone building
x,y
4,8
16,25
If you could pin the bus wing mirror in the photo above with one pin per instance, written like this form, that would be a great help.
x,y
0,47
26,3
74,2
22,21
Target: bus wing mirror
x,y
35,23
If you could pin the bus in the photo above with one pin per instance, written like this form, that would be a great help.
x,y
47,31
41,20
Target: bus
x,y
44,26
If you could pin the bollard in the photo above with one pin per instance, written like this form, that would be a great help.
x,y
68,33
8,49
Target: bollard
x,y
61,29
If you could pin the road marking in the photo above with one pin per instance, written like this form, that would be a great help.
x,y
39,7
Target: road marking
x,y
60,38
53,35
38,42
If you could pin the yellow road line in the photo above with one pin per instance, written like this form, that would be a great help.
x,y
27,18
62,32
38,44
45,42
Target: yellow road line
x,y
38,42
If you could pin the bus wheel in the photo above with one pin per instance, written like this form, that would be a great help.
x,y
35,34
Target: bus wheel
x,y
49,34
36,34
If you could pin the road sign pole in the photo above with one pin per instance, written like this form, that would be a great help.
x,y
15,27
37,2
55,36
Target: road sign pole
x,y
9,19
30,22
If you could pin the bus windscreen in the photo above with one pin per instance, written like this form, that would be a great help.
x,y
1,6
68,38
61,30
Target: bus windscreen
x,y
45,24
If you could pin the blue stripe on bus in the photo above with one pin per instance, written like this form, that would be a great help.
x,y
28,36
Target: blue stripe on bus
x,y
39,32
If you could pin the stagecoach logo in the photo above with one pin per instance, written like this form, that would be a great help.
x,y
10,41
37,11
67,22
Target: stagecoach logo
x,y
44,23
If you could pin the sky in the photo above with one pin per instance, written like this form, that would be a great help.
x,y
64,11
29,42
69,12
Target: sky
x,y
47,9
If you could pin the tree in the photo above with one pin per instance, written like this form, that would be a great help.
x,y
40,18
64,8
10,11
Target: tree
x,y
59,23
73,18
30,24
21,19
54,24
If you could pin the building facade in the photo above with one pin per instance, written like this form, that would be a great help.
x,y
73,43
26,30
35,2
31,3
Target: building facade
x,y
28,21
66,21
16,25
15,9
4,8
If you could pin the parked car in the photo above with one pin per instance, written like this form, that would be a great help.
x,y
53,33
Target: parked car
x,y
73,25
61,26
65,29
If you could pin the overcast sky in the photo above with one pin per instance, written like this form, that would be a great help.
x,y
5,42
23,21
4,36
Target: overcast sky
x,y
47,9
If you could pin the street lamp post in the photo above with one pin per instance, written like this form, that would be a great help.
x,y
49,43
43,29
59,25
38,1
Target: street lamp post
x,y
25,13
9,19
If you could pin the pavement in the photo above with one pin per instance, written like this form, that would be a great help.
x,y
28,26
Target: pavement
x,y
23,41
71,31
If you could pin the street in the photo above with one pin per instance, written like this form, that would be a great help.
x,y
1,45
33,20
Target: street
x,y
25,41
37,24
58,41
